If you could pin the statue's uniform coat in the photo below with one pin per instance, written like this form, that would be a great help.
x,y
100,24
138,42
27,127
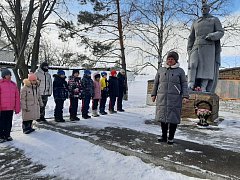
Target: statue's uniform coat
x,y
205,54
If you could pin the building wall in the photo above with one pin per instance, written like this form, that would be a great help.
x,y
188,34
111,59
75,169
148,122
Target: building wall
x,y
7,56
231,73
229,83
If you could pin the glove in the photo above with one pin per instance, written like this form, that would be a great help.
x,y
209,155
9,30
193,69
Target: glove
x,y
76,90
208,38
80,96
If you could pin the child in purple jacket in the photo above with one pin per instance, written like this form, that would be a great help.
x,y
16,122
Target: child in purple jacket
x,y
97,94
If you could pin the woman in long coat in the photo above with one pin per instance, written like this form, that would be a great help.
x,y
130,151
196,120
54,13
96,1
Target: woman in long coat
x,y
31,102
170,88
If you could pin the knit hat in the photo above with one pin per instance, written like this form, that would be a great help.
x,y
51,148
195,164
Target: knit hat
x,y
113,72
6,72
87,72
75,71
122,71
61,72
43,64
32,77
174,55
97,76
103,73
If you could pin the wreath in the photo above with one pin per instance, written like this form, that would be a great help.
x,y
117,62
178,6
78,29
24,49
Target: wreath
x,y
203,113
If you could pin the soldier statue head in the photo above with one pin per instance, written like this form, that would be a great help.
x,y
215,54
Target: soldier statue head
x,y
205,9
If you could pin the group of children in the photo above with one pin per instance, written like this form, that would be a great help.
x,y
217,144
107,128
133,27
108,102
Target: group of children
x,y
97,89
38,87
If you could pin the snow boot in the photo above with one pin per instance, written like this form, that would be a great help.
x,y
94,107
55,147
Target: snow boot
x,y
112,111
162,139
2,140
121,110
86,116
72,118
103,112
59,119
27,131
170,142
94,113
9,138
77,118
41,120
26,126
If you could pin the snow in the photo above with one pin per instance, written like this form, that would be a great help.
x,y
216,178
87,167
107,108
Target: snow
x,y
192,151
78,159
73,158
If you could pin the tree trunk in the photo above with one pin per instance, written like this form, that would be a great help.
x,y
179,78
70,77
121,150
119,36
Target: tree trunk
x,y
120,31
20,70
160,37
35,51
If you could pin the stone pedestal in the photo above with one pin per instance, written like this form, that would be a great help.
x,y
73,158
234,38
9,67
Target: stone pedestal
x,y
149,91
188,110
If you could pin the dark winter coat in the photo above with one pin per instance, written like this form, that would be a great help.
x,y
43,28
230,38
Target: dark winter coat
x,y
121,83
113,86
74,87
87,86
170,86
60,88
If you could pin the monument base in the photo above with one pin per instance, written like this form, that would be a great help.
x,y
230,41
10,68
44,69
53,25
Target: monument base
x,y
203,101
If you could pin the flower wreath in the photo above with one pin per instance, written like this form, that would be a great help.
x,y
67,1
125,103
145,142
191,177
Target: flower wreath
x,y
203,113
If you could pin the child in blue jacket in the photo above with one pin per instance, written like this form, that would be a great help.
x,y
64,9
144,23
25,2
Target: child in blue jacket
x,y
60,94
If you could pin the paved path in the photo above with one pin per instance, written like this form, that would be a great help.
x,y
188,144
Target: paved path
x,y
15,165
188,158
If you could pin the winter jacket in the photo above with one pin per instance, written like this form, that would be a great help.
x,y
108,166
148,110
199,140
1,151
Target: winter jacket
x,y
87,86
170,86
31,101
121,83
9,96
60,88
97,89
113,86
74,87
45,82
104,83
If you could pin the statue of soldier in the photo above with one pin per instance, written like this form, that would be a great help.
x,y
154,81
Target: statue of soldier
x,y
204,51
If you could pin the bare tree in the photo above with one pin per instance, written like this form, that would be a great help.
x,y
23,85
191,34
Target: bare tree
x,y
105,24
161,25
16,18
45,9
153,24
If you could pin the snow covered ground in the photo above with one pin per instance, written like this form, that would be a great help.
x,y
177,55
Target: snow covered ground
x,y
71,158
